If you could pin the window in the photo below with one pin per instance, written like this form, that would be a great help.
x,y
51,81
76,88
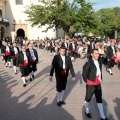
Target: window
x,y
19,2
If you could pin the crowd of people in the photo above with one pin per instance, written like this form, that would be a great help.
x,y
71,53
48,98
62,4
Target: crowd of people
x,y
65,52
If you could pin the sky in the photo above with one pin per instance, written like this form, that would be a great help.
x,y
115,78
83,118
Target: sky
x,y
99,4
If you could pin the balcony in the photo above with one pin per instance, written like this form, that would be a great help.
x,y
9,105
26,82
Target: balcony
x,y
4,20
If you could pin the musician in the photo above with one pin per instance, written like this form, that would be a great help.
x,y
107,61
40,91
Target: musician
x,y
61,64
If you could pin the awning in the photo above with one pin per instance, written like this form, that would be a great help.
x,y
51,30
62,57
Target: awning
x,y
6,21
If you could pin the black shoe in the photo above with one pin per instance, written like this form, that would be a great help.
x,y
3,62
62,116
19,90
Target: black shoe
x,y
63,102
6,66
24,85
33,76
111,73
104,119
16,73
88,115
58,103
30,79
10,66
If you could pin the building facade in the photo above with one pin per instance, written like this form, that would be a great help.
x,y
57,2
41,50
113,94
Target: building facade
x,y
18,26
4,22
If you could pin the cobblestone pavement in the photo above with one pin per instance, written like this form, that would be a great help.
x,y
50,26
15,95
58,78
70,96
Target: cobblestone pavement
x,y
37,101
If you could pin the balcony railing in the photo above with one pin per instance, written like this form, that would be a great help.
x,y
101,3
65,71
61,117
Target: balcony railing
x,y
4,20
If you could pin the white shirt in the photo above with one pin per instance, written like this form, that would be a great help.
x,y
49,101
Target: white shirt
x,y
7,48
73,45
65,44
113,50
32,55
98,69
25,57
63,59
16,50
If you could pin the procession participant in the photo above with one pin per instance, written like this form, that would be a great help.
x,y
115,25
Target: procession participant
x,y
15,51
24,62
73,49
7,52
65,44
2,48
61,64
34,60
52,47
92,75
90,48
111,51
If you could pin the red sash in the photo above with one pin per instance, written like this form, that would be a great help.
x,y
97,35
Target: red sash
x,y
63,71
73,49
15,55
7,53
97,82
113,56
25,64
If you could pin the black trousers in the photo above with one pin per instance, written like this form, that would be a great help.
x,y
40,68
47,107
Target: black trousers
x,y
7,58
52,50
24,71
14,61
93,89
73,54
111,63
34,67
61,81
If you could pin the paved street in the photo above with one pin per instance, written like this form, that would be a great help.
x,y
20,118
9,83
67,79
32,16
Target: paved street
x,y
37,101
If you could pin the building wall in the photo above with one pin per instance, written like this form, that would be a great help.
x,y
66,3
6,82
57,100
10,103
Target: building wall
x,y
17,18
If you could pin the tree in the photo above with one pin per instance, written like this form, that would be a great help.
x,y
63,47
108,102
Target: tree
x,y
71,17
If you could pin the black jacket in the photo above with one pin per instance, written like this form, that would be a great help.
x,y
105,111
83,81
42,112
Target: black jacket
x,y
110,52
13,52
89,50
4,50
70,47
89,71
63,45
51,45
35,53
20,59
57,65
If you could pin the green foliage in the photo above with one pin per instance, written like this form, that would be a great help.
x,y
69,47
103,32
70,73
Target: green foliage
x,y
71,17
108,20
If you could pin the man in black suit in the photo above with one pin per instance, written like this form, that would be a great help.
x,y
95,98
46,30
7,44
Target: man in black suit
x,y
52,47
111,51
64,44
15,51
2,50
92,75
24,62
7,53
73,50
61,64
90,48
34,60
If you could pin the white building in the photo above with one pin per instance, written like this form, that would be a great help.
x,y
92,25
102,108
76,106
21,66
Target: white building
x,y
17,26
